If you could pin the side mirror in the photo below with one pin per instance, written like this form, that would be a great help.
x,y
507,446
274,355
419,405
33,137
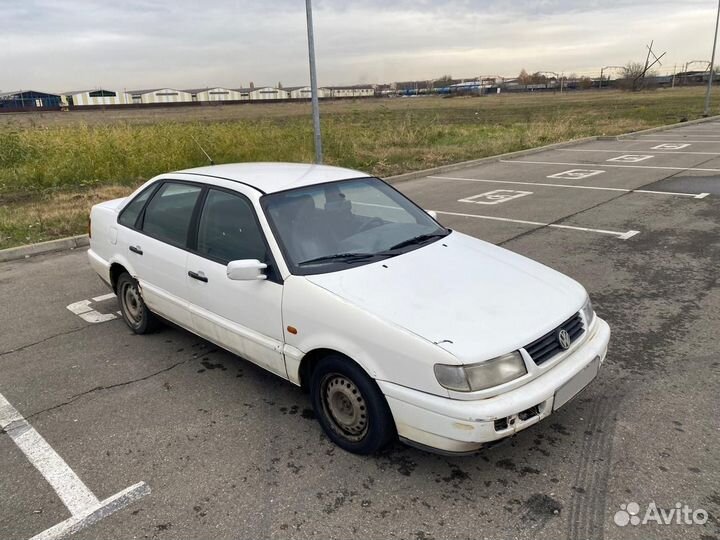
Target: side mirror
x,y
246,270
432,214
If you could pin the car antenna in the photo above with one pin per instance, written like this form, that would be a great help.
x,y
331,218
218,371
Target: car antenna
x,y
203,150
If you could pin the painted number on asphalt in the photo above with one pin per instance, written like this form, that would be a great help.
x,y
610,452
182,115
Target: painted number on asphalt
x,y
630,158
496,197
670,146
89,314
575,174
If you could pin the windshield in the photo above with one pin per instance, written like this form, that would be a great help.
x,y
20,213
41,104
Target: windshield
x,y
333,226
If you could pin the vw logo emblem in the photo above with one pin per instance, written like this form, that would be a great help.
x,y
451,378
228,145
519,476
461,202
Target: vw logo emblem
x,y
563,338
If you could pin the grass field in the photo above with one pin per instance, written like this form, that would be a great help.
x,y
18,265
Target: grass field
x,y
54,166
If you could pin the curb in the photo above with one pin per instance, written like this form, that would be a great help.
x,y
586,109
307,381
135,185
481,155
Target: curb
x,y
463,164
666,127
30,250
73,242
489,159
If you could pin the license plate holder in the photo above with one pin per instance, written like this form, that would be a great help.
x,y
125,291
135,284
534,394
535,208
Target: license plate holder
x,y
579,381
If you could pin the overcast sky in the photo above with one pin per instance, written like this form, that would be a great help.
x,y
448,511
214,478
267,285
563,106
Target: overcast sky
x,y
59,46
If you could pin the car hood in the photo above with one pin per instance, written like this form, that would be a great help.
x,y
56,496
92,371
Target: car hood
x,y
473,299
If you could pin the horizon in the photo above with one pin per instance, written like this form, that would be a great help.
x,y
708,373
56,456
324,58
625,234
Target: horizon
x,y
103,46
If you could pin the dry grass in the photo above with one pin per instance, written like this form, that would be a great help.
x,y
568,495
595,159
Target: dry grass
x,y
53,166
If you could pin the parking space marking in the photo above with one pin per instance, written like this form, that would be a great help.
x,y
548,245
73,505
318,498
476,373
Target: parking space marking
x,y
665,140
576,174
630,158
83,310
610,165
624,150
497,196
570,186
620,235
84,506
670,146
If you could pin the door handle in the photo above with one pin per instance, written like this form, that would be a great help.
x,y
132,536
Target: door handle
x,y
136,249
198,275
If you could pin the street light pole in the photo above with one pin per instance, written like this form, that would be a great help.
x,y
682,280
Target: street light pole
x,y
313,84
712,65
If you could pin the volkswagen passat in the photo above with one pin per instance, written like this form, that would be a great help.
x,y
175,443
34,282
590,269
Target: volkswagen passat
x,y
332,279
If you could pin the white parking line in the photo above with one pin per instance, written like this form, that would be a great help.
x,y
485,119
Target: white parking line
x,y
666,141
599,188
84,506
625,150
620,235
83,310
608,165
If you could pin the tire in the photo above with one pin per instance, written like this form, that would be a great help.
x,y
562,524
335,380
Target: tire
x,y
350,407
134,311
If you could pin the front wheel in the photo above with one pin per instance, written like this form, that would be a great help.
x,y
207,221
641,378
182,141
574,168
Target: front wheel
x,y
134,311
350,407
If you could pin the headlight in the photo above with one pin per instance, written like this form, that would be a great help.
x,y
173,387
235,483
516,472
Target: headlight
x,y
482,375
588,313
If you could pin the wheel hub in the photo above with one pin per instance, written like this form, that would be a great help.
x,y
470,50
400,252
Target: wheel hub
x,y
344,406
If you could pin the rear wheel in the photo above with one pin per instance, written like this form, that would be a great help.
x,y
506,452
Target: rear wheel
x,y
134,311
350,407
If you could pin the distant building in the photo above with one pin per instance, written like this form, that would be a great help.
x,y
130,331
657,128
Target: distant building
x,y
79,98
263,93
28,100
215,94
160,95
305,92
352,91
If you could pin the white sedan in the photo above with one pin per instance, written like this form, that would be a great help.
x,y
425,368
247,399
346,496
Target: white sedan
x,y
334,280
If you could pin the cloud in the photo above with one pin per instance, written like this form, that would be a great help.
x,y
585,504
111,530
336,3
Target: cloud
x,y
145,43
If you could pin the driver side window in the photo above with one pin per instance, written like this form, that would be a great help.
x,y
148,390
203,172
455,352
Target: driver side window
x,y
228,230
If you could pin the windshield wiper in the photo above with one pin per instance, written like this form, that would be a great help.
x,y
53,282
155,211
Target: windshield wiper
x,y
342,257
418,240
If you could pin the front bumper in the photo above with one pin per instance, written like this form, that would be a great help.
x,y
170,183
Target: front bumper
x,y
457,426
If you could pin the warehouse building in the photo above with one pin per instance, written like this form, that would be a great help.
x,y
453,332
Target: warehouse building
x,y
263,93
215,94
160,95
305,92
28,100
98,97
352,91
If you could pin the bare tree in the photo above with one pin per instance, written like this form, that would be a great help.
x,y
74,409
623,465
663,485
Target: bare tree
x,y
633,76
524,78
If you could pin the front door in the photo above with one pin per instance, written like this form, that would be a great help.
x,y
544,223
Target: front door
x,y
241,316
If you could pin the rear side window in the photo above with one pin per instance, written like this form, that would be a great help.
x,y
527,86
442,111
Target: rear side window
x,y
169,212
130,213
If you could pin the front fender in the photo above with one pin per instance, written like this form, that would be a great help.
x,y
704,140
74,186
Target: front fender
x,y
384,350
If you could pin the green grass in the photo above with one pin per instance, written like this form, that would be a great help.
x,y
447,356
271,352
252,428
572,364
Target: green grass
x,y
62,159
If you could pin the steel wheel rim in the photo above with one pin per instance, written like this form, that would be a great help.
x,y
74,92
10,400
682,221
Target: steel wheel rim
x,y
132,303
344,406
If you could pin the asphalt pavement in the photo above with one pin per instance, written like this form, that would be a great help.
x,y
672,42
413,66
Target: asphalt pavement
x,y
222,449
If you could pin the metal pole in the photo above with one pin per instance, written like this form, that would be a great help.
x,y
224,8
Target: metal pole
x,y
313,84
712,65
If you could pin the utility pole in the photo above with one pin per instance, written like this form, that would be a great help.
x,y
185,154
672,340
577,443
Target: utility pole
x,y
712,65
313,84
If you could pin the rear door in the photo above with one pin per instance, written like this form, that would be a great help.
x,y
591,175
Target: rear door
x,y
241,316
157,248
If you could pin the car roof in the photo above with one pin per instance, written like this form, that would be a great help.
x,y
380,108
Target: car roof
x,y
273,177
